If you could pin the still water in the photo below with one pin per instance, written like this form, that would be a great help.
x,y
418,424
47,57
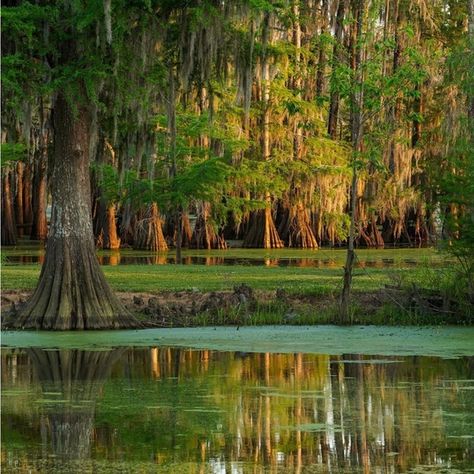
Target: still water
x,y
158,259
322,258
178,410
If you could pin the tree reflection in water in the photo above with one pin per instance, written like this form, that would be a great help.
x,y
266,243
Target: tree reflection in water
x,y
70,381
204,411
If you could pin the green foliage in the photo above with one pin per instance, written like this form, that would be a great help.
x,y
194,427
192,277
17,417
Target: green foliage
x,y
12,152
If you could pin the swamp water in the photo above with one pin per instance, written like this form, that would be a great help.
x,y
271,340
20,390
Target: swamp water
x,y
319,399
298,258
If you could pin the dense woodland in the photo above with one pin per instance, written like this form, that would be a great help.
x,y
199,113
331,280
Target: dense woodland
x,y
190,124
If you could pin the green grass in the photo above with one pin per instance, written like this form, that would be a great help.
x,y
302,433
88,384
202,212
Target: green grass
x,y
152,278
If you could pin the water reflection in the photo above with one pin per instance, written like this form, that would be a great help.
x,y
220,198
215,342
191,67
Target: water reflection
x,y
117,258
207,411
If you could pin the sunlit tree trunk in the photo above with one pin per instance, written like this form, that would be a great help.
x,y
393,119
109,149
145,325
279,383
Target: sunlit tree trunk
x,y
300,233
105,226
262,231
149,232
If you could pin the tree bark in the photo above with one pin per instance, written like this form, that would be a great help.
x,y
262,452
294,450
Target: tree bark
x,y
8,215
336,57
149,232
27,186
72,292
299,232
204,235
262,231
107,237
39,228
320,79
19,209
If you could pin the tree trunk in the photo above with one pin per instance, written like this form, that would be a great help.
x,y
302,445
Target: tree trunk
x,y
8,216
336,57
321,69
72,292
104,221
19,209
204,235
301,234
149,232
27,187
344,309
39,228
357,102
107,237
262,231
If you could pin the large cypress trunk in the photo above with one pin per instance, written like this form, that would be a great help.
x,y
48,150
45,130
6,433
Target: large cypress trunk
x,y
72,292
27,210
262,231
300,233
105,227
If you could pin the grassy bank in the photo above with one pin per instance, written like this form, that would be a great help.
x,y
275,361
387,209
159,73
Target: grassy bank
x,y
300,293
296,296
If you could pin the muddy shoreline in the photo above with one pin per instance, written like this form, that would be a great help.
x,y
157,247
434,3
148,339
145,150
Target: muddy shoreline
x,y
196,308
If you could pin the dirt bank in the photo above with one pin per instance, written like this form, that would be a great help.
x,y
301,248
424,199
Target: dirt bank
x,y
242,305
